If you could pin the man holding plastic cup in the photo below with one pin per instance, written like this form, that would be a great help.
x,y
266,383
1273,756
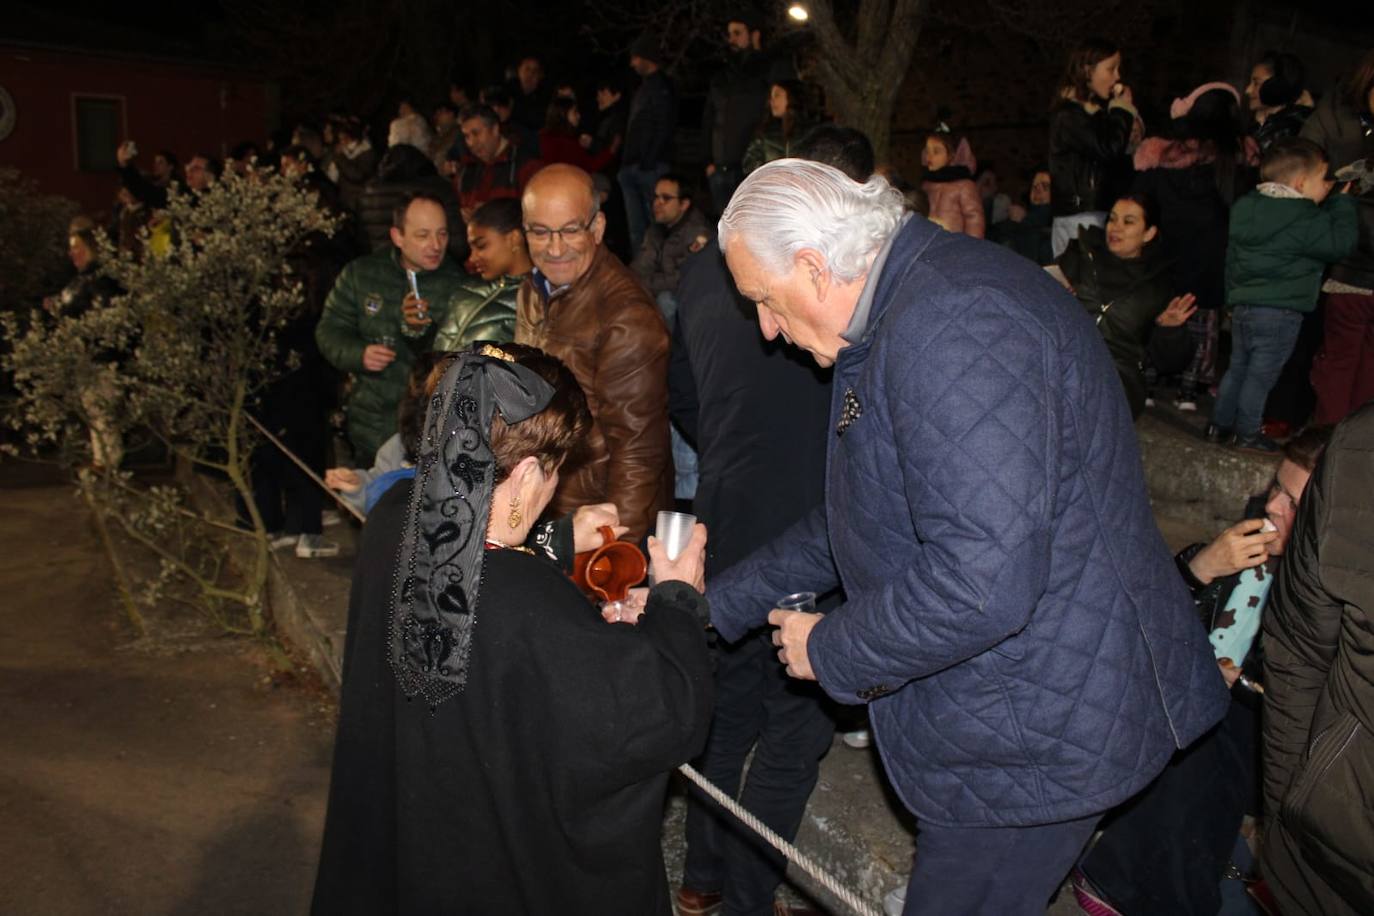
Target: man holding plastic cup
x,y
1013,618
382,312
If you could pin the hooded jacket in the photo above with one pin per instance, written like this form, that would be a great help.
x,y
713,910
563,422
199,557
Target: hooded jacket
x,y
1319,702
1280,246
954,200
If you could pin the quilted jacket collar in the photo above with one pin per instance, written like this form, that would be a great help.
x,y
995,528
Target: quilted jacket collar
x,y
910,239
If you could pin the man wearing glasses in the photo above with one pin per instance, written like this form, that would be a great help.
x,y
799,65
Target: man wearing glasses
x,y
583,306
679,230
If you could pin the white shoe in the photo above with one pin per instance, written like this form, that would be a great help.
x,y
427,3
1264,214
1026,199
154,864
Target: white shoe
x,y
857,739
1187,405
330,517
312,546
278,540
895,901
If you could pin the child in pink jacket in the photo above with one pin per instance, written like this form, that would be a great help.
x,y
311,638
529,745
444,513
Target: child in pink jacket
x,y
954,199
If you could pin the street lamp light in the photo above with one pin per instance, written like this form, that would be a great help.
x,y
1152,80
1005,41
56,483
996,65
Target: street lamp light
x,y
798,13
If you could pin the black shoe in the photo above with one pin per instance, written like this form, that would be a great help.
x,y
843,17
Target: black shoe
x,y
1218,435
1259,442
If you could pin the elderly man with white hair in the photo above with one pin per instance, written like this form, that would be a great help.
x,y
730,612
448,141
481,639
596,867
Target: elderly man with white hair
x,y
1013,618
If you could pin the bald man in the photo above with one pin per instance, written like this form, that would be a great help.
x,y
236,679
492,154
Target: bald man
x,y
583,306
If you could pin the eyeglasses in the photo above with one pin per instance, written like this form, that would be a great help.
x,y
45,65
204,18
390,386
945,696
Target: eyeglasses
x,y
570,233
667,197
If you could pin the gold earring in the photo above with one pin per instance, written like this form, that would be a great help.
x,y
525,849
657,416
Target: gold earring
x,y
514,518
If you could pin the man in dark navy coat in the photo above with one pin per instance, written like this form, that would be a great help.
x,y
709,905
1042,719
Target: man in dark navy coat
x,y
1013,617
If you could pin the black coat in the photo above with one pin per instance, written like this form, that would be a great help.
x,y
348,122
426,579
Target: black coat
x,y
404,170
1194,215
1124,297
1087,155
1319,682
758,412
653,116
539,788
737,99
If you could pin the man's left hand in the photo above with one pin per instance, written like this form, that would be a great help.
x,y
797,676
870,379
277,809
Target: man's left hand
x,y
792,633
415,311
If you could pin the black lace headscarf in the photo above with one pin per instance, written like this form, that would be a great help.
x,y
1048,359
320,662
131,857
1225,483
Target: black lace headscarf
x,y
439,569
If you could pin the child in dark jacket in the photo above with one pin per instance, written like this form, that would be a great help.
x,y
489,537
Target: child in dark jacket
x,y
1282,238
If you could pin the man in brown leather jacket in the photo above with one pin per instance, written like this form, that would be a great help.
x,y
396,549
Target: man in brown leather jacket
x,y
586,308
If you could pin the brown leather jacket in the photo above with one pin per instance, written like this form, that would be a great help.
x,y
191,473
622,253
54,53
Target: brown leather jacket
x,y
607,330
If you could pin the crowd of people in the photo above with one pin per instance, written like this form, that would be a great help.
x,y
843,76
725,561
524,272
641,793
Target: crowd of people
x,y
549,329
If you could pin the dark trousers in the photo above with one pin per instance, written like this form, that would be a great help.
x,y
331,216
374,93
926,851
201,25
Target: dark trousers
x,y
638,185
1261,341
1166,850
289,501
992,871
1343,373
757,706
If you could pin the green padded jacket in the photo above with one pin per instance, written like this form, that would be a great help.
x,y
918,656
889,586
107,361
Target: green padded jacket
x,y
480,310
364,307
1279,248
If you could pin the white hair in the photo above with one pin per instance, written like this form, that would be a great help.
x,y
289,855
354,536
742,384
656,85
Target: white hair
x,y
789,205
410,129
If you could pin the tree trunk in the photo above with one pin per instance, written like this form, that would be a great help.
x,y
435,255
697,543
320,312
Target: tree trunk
x,y
863,76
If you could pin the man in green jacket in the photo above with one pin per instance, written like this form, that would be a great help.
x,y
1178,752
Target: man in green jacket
x,y
374,323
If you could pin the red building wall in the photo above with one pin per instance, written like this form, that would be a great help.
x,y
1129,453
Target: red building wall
x,y
184,107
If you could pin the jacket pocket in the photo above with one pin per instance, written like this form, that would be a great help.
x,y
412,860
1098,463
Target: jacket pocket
x,y
1326,747
1328,812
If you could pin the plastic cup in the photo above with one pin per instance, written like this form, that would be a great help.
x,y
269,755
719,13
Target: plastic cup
x,y
799,601
674,529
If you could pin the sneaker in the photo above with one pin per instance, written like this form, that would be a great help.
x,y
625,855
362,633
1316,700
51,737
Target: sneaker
x,y
857,739
687,902
1186,403
279,540
894,901
1218,435
1259,442
1276,429
313,546
330,518
1090,901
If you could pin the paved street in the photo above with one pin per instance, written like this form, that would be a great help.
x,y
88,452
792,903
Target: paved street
x,y
166,776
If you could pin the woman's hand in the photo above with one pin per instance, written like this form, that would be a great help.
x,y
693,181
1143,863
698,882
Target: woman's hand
x,y
1243,545
627,611
587,524
690,565
1178,311
345,480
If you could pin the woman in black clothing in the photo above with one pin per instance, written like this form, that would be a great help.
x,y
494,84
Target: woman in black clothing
x,y
1090,134
1121,278
501,747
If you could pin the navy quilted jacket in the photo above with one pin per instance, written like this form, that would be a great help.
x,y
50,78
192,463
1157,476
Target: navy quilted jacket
x,y
1014,616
